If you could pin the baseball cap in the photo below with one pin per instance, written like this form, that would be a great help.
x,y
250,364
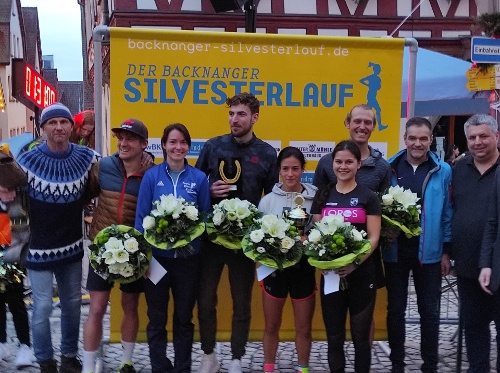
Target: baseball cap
x,y
134,126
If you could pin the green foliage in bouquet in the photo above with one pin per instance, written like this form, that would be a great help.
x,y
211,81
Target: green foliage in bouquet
x,y
120,254
230,220
274,242
173,224
333,243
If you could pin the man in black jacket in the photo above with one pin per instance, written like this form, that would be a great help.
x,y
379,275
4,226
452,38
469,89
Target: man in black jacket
x,y
238,165
472,190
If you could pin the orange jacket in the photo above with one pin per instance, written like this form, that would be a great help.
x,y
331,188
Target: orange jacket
x,y
5,232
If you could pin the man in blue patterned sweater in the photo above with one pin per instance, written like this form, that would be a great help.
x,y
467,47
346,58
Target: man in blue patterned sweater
x,y
57,176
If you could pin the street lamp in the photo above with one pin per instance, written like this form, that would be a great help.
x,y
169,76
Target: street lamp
x,y
250,7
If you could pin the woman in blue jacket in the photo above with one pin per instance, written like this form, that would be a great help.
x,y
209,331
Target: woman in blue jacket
x,y
174,176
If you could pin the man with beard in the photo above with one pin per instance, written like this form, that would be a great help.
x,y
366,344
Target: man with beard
x,y
238,165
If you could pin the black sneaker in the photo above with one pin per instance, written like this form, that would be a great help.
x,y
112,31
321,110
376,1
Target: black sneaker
x,y
70,365
127,368
48,366
398,369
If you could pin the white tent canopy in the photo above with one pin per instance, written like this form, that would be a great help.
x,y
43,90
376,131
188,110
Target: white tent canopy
x,y
440,86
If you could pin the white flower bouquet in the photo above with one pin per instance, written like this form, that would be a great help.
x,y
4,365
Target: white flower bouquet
x,y
274,242
173,224
120,254
400,212
333,243
229,221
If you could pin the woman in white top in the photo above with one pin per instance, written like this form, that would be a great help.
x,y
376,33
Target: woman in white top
x,y
298,280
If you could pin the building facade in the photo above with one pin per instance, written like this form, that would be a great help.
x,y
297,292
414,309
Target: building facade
x,y
14,116
445,26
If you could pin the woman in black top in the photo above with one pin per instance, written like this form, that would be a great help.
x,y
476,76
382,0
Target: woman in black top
x,y
361,207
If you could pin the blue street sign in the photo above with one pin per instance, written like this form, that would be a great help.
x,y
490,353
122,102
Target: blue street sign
x,y
485,50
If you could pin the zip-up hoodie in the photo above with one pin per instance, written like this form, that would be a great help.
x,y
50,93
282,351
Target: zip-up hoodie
x,y
436,211
274,202
192,185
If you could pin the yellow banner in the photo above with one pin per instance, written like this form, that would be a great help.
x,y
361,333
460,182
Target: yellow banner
x,y
306,84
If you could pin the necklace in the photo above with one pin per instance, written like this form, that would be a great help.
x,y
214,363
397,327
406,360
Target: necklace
x,y
225,178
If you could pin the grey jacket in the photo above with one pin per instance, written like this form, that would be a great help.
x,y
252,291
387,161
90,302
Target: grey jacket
x,y
374,174
274,202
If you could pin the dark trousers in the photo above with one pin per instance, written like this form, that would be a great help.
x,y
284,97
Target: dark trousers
x,y
427,280
359,299
241,278
478,309
182,279
13,296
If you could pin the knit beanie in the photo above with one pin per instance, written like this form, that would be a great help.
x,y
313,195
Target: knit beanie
x,y
56,110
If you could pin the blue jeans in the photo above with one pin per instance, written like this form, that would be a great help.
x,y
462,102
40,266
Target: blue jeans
x,y
68,278
182,280
427,280
477,310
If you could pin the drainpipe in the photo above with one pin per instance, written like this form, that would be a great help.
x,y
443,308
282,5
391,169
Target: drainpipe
x,y
105,13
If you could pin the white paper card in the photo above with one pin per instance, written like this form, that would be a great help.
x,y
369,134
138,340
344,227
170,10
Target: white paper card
x,y
155,271
264,271
332,282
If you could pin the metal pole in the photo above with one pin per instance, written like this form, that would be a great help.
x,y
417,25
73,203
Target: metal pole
x,y
250,16
98,35
412,71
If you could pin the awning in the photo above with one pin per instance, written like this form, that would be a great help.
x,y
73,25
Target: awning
x,y
441,86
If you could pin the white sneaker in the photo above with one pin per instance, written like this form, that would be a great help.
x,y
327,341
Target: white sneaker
x,y
4,351
24,356
209,364
234,366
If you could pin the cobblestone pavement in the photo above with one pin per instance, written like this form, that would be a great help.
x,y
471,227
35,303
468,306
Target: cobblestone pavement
x,y
253,360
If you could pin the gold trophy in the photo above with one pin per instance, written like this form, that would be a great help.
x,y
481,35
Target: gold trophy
x,y
298,215
230,180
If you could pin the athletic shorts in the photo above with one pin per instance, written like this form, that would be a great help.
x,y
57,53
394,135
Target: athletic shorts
x,y
299,281
97,283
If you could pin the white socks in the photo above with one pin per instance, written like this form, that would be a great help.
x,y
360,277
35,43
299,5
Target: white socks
x,y
89,357
127,351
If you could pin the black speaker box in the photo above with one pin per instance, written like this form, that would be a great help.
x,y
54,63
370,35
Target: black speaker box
x,y
227,5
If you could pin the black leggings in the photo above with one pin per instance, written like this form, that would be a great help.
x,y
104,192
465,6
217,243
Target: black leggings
x,y
13,296
359,299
